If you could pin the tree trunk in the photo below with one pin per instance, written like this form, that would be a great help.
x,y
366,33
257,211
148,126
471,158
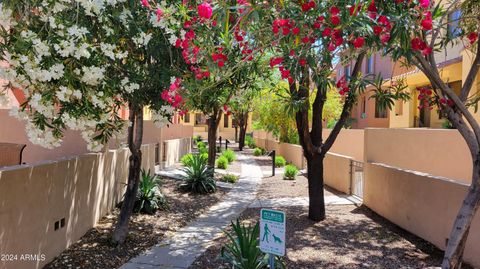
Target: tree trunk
x,y
316,207
212,141
135,134
243,130
458,236
236,132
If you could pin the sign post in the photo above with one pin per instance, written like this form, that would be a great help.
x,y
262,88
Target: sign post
x,y
272,234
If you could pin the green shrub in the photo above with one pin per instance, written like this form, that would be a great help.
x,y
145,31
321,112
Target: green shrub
x,y
198,177
222,162
230,178
280,161
242,250
149,196
257,152
201,144
250,142
197,139
230,155
204,156
291,172
186,160
203,151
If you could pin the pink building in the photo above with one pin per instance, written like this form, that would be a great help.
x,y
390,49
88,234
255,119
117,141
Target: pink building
x,y
365,113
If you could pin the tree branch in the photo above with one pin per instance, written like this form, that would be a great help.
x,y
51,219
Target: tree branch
x,y
467,85
345,111
432,74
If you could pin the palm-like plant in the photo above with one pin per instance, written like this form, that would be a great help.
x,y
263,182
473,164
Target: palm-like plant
x,y
149,196
242,252
199,176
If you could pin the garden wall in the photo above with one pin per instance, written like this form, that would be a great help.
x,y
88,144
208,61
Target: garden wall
x,y
13,131
439,152
423,204
173,150
336,167
337,171
80,190
349,142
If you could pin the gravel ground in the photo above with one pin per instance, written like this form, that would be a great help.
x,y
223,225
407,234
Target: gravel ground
x,y
350,237
95,249
277,187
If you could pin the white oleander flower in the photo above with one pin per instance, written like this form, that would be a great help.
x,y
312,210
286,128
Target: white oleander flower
x,y
92,75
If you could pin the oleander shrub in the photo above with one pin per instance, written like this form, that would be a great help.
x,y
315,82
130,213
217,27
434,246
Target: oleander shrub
x,y
291,172
230,155
280,161
222,162
198,177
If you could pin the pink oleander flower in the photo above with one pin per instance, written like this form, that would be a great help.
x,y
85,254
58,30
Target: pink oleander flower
x,y
205,10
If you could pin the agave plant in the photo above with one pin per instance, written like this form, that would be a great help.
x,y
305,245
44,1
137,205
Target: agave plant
x,y
149,196
242,251
198,176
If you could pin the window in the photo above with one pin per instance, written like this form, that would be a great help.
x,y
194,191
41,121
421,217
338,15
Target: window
x,y
370,65
347,72
200,119
453,24
225,121
398,108
186,118
379,112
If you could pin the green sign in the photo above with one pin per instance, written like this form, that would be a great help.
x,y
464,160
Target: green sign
x,y
272,232
272,215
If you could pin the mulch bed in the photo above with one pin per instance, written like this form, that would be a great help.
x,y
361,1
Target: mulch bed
x,y
350,237
96,250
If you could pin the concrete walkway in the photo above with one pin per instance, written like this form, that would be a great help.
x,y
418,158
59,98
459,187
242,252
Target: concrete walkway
x,y
181,250
303,201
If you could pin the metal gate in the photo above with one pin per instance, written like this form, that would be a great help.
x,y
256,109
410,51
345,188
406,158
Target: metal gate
x,y
356,178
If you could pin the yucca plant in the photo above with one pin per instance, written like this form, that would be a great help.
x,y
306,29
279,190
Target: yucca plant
x,y
242,251
149,196
198,176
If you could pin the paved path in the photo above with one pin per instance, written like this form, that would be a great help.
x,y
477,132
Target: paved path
x,y
181,250
303,201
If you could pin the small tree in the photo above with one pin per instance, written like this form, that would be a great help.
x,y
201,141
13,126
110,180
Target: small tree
x,y
220,58
79,63
241,105
419,36
309,37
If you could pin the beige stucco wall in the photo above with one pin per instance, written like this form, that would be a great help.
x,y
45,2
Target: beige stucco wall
x,y
420,203
336,166
73,143
174,150
439,152
337,171
81,189
349,143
